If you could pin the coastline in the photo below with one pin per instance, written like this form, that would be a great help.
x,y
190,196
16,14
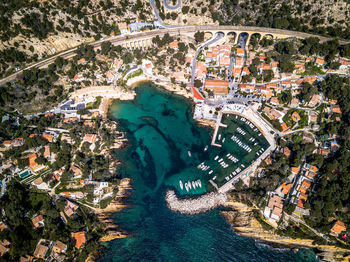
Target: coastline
x,y
244,223
118,203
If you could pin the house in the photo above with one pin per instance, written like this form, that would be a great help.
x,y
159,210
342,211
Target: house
x,y
47,152
319,61
286,188
240,52
124,29
70,208
81,61
48,137
4,247
312,117
3,226
336,109
236,72
344,64
274,208
90,138
41,249
295,116
246,88
59,247
294,102
224,61
80,238
201,70
337,228
73,195
245,71
274,101
284,127
315,99
271,113
218,87
34,166
76,171
323,151
174,45
295,170
88,123
38,221
239,62
79,78
179,76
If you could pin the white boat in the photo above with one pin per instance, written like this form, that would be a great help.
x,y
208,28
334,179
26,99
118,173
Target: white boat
x,y
186,186
193,185
210,172
214,177
181,185
223,140
216,158
200,183
189,153
206,148
189,185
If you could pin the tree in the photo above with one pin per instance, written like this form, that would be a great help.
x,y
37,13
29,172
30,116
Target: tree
x,y
199,37
198,83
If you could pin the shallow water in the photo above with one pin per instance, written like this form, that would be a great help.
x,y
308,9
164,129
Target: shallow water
x,y
161,131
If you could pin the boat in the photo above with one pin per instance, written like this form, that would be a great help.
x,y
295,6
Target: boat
x,y
186,186
211,171
181,185
189,153
189,185
206,148
193,185
213,179
200,183
216,158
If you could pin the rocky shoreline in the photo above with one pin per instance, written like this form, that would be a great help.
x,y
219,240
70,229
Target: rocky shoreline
x,y
194,205
244,223
104,215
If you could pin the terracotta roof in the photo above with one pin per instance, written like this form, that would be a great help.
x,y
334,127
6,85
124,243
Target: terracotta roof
x,y
37,220
286,151
286,188
217,86
89,138
59,247
196,94
295,116
240,51
295,170
338,227
319,61
40,251
336,109
80,238
48,137
174,44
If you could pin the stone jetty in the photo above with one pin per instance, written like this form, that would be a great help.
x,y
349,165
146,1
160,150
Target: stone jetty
x,y
195,205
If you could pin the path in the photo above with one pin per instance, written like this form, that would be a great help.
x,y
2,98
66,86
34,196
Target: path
x,y
170,7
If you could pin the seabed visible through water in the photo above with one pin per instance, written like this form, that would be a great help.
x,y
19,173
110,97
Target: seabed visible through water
x,y
160,131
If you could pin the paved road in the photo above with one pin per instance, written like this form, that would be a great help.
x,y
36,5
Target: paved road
x,y
172,7
170,30
194,60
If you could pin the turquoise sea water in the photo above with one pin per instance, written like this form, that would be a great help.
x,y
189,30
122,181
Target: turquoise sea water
x,y
161,131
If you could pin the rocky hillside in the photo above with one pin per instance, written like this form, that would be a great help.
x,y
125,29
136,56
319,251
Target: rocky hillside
x,y
32,29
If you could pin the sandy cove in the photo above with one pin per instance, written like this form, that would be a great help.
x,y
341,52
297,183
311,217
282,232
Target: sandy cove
x,y
245,224
105,215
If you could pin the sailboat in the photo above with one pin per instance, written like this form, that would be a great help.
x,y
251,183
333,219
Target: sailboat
x,y
189,153
181,185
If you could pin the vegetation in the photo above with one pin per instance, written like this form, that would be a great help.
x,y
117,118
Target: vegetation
x,y
21,204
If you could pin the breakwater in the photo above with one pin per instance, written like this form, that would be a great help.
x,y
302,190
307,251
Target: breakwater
x,y
194,205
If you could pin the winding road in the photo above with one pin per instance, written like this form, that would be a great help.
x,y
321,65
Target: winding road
x,y
170,7
218,36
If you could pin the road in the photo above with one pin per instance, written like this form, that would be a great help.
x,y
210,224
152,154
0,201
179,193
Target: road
x,y
170,7
166,29
194,60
